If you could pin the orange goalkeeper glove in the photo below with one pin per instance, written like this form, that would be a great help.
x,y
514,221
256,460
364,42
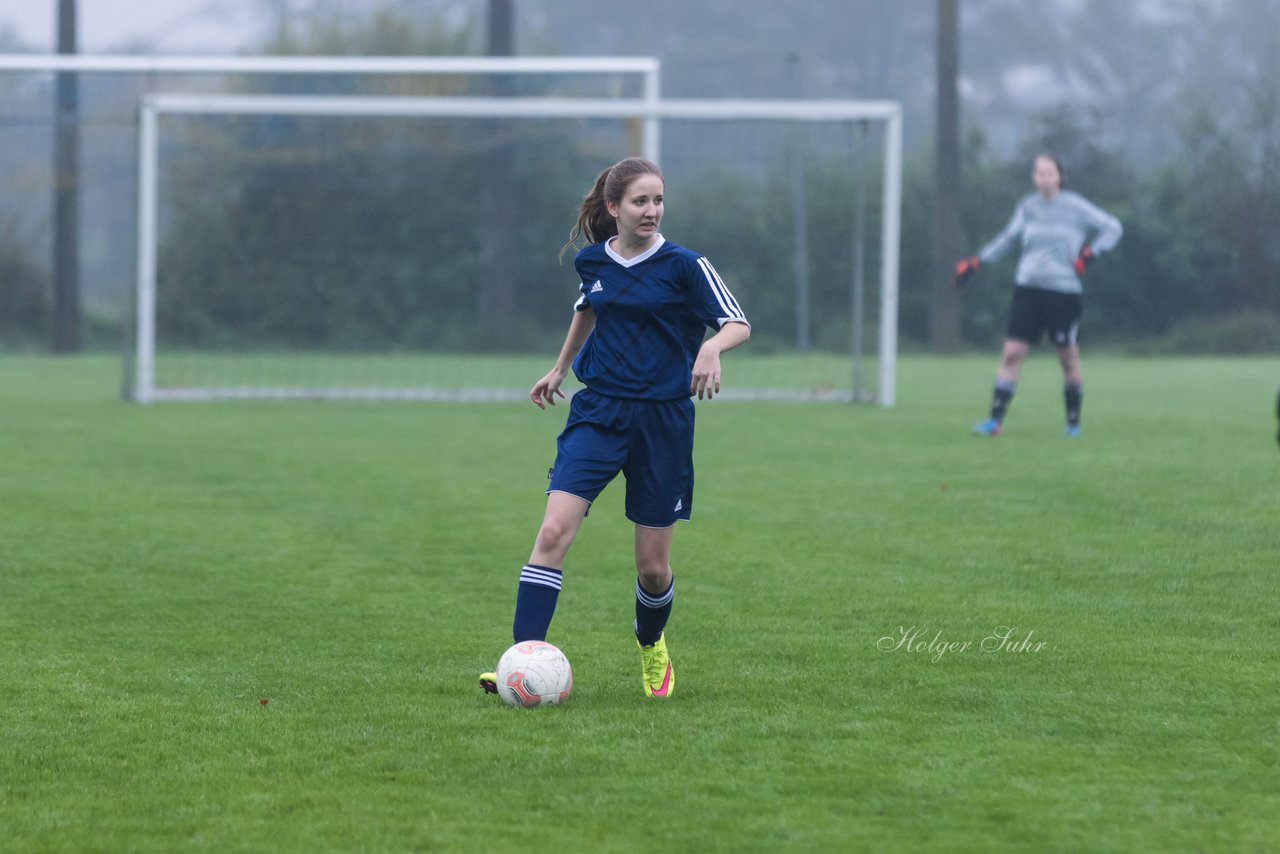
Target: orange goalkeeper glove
x,y
1084,259
965,268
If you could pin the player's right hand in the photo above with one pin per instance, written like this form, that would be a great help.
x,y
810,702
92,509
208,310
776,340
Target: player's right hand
x,y
965,268
546,390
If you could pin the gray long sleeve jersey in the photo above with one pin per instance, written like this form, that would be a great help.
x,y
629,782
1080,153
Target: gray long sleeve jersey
x,y
1052,233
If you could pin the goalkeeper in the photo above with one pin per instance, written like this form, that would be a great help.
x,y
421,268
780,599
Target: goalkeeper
x,y
1051,227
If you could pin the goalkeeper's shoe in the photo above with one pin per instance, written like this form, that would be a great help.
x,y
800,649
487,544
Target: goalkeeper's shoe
x,y
990,427
655,668
489,682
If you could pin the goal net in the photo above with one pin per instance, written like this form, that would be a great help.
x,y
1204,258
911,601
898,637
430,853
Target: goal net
x,y
408,248
390,228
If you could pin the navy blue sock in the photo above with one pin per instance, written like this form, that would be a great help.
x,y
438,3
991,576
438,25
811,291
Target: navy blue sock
x,y
652,613
535,602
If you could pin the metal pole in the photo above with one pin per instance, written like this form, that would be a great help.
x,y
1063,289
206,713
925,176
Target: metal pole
x,y
889,237
859,251
144,382
652,124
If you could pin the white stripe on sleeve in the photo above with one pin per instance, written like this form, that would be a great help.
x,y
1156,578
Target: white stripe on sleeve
x,y
732,310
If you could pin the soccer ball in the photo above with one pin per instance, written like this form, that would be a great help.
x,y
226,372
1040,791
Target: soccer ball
x,y
534,673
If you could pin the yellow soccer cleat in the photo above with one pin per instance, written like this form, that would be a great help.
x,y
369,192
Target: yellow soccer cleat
x,y
655,667
489,682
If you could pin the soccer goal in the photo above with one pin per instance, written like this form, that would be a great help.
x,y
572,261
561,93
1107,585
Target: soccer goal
x,y
405,248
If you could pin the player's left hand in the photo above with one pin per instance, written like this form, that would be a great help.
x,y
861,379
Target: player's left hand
x,y
1084,259
706,373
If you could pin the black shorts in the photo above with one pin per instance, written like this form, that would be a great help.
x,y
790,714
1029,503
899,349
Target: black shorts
x,y
1036,311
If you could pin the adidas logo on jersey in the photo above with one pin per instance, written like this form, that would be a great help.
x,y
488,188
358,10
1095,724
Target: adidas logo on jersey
x,y
596,288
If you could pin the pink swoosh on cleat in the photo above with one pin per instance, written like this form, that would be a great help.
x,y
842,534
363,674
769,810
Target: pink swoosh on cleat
x,y
661,691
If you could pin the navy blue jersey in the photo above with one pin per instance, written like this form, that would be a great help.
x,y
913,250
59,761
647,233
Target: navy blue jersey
x,y
651,313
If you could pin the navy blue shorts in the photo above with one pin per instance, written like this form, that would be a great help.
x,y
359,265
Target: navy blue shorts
x,y
649,442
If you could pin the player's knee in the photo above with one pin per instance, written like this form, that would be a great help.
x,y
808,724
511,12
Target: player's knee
x,y
654,572
1012,359
554,536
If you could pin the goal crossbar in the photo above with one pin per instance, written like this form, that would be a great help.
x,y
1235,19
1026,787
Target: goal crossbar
x,y
649,109
435,65
516,107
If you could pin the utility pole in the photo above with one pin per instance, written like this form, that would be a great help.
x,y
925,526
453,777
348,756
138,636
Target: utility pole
x,y
497,290
280,16
944,320
66,204
799,217
502,37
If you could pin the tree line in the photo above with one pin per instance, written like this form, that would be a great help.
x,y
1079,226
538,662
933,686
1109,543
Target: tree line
x,y
373,250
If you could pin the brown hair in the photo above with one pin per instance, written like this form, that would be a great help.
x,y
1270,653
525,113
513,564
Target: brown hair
x,y
595,223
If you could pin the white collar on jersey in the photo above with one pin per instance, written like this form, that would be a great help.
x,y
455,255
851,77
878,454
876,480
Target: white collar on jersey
x,y
629,262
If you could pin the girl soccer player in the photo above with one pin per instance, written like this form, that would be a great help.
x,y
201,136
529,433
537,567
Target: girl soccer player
x,y
636,344
1051,225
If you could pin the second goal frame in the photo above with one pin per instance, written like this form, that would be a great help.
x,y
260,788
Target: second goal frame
x,y
649,110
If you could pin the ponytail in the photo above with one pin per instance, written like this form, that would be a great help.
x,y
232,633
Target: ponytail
x,y
595,224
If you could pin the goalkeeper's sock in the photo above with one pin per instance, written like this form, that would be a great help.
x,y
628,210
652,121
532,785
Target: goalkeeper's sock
x,y
535,602
1073,396
1001,398
652,611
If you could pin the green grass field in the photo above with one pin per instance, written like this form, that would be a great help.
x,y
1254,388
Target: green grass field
x,y
166,570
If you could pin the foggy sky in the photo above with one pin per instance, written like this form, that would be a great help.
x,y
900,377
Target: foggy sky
x,y
113,26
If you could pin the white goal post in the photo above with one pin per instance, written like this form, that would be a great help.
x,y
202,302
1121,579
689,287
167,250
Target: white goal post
x,y
650,109
648,68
